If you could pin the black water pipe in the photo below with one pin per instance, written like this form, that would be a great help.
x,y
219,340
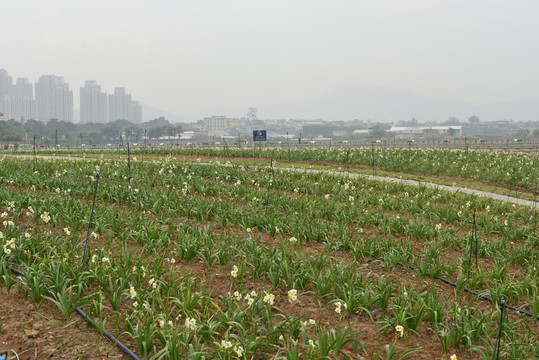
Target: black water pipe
x,y
484,297
108,335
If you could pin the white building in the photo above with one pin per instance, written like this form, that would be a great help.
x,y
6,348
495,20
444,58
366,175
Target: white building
x,y
136,112
405,132
19,103
6,84
54,100
122,107
18,109
215,123
93,103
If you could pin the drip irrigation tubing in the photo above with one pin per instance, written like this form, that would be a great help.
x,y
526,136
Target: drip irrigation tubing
x,y
484,297
104,332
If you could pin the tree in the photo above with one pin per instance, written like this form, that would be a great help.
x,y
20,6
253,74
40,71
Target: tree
x,y
34,128
159,122
474,119
251,114
12,130
110,131
377,132
536,132
452,121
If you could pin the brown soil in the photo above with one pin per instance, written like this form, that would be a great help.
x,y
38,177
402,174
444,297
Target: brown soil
x,y
44,330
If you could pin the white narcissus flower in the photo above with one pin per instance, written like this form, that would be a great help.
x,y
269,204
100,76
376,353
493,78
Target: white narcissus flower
x,y
238,349
190,323
234,271
269,298
225,344
292,295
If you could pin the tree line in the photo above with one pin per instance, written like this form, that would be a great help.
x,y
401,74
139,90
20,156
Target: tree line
x,y
68,133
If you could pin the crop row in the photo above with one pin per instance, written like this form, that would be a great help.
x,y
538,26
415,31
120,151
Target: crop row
x,y
506,169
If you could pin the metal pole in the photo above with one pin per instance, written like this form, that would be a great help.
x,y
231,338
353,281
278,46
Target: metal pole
x,y
128,160
496,352
85,258
35,156
373,170
475,237
288,143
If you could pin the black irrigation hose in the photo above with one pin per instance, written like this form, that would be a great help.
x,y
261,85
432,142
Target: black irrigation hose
x,y
484,297
108,335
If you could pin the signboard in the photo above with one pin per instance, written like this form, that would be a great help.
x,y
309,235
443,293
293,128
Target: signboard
x,y
259,135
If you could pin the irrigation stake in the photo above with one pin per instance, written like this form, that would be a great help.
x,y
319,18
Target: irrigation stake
x,y
535,206
129,161
288,144
514,184
85,258
373,171
475,236
472,245
272,173
35,156
347,163
496,352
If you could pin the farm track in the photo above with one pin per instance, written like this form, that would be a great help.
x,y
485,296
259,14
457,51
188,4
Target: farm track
x,y
453,189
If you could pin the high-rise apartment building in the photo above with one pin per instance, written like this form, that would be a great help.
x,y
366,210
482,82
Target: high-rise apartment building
x,y
16,101
6,84
18,109
54,99
122,107
93,103
23,89
136,112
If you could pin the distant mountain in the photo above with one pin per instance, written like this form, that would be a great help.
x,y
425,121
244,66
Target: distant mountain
x,y
382,104
150,113
365,102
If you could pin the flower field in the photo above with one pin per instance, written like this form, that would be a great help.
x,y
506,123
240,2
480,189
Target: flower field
x,y
506,169
235,261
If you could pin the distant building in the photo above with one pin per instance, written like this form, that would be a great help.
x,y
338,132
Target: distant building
x,y
19,104
54,100
408,132
136,112
215,124
122,107
93,103
18,109
23,89
6,82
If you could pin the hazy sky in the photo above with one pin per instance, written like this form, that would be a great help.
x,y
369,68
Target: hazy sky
x,y
193,57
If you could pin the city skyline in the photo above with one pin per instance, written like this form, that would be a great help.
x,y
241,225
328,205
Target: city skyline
x,y
54,100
